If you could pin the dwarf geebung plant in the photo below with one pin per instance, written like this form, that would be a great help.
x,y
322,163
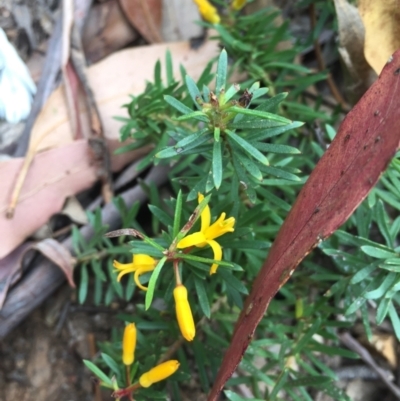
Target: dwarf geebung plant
x,y
239,155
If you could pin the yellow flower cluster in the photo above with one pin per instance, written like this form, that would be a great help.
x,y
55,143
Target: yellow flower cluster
x,y
158,373
144,263
208,233
140,264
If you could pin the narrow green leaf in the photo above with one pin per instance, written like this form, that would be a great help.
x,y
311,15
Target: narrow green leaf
x,y
204,260
177,215
260,114
248,148
111,364
206,93
177,104
237,44
382,310
234,397
169,68
233,89
232,281
382,220
98,290
307,336
251,167
194,91
366,322
364,273
190,142
222,69
153,243
383,286
394,317
199,356
282,378
274,131
203,298
116,285
98,270
309,381
163,217
272,104
217,133
378,253
289,66
217,164
275,148
197,115
332,350
280,173
157,74
99,373
152,282
84,284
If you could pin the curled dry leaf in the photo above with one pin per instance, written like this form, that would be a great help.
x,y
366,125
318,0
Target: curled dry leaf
x,y
360,75
50,248
382,30
366,141
59,255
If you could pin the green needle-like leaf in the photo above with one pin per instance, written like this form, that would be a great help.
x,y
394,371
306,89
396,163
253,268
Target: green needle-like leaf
x,y
152,282
221,72
177,215
248,148
193,91
217,164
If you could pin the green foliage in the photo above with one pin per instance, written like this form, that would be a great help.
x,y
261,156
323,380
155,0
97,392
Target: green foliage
x,y
249,156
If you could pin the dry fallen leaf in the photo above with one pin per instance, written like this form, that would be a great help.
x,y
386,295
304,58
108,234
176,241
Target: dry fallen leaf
x,y
74,210
360,75
386,345
382,30
106,30
145,16
63,168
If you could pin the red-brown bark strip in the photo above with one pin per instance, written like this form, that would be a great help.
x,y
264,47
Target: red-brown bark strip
x,y
364,145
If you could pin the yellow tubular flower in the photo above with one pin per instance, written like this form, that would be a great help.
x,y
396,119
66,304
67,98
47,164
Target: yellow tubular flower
x,y
208,11
140,264
184,313
238,4
158,373
208,233
129,344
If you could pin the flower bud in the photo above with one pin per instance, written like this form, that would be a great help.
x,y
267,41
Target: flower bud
x,y
238,4
129,344
159,373
184,313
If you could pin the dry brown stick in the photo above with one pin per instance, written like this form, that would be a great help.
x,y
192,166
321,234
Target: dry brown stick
x,y
321,63
351,343
44,278
92,352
